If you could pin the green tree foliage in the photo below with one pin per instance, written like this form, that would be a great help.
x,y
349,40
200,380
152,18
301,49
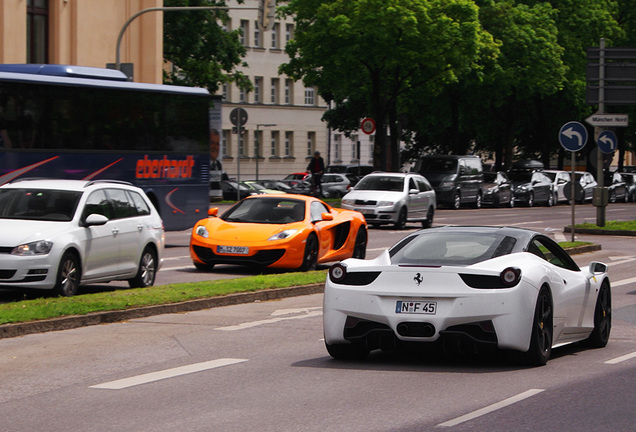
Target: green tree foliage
x,y
497,77
201,52
368,56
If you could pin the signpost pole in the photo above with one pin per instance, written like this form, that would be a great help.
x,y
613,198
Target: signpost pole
x,y
573,200
600,209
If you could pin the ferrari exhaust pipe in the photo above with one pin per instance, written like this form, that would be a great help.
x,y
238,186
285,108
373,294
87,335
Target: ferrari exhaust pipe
x,y
415,329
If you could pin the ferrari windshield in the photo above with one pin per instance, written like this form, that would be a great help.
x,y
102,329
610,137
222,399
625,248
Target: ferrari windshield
x,y
266,211
450,248
38,204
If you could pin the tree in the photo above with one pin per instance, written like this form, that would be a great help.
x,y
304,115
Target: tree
x,y
202,52
368,56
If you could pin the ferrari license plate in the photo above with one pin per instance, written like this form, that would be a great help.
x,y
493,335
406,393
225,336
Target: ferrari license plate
x,y
416,307
238,250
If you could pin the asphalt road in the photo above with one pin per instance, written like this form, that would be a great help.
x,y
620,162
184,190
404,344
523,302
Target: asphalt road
x,y
263,366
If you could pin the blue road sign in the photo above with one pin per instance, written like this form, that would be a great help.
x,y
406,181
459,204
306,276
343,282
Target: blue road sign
x,y
573,136
607,142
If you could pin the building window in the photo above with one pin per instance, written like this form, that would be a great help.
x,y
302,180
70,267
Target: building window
x,y
275,37
289,32
225,91
311,143
241,144
310,96
258,139
37,31
257,35
289,142
371,148
274,91
245,31
289,97
274,144
258,88
354,147
226,149
242,95
336,146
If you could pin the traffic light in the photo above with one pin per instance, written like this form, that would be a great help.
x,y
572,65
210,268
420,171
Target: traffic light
x,y
266,14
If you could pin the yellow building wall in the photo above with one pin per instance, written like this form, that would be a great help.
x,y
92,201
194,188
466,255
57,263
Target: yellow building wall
x,y
84,33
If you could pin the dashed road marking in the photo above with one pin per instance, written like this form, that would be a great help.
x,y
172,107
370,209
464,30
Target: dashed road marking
x,y
168,373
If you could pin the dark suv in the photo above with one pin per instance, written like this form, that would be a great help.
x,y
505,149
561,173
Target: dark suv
x,y
456,179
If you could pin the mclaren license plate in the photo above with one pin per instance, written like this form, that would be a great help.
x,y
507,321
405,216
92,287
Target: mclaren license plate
x,y
237,250
416,307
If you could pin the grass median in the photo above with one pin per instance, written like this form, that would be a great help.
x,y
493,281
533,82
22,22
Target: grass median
x,y
122,299
54,307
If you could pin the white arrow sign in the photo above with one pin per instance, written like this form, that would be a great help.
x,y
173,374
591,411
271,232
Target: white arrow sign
x,y
608,120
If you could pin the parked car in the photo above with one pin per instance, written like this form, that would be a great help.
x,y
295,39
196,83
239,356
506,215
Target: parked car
x,y
60,234
585,186
257,187
393,198
630,182
278,231
355,172
530,184
457,180
467,289
335,185
559,180
497,189
233,191
297,176
302,187
617,188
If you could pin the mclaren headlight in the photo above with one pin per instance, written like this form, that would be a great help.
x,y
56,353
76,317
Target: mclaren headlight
x,y
283,235
201,231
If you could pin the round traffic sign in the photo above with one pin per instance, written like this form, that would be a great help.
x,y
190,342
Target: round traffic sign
x,y
607,142
573,136
368,126
238,116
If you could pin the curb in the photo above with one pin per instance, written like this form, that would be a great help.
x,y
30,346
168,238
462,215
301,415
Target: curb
x,y
95,318
594,231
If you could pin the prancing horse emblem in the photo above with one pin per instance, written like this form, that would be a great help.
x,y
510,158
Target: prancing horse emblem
x,y
418,278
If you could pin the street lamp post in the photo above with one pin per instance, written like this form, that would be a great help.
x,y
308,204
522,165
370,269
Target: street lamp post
x,y
258,142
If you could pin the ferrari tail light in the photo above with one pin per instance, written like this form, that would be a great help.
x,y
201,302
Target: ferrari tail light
x,y
510,276
337,272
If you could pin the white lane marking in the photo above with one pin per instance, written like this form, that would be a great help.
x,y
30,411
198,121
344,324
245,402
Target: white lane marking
x,y
621,358
525,223
177,268
306,313
491,408
168,373
624,282
280,312
625,261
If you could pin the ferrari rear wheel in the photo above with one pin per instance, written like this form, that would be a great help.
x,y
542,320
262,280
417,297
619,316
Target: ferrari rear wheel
x,y
310,258
352,351
360,247
602,318
541,337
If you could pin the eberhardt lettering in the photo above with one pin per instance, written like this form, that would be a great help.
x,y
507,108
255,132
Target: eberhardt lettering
x,y
164,168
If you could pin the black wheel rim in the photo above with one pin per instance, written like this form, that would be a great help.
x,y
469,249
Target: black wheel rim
x,y
604,313
544,325
311,253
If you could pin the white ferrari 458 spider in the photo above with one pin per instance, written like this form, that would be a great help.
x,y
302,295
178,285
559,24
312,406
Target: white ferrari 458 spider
x,y
467,288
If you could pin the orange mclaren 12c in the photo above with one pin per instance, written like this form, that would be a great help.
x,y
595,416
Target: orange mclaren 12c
x,y
279,231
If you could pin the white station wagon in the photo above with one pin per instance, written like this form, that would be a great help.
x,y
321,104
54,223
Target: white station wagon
x,y
60,234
